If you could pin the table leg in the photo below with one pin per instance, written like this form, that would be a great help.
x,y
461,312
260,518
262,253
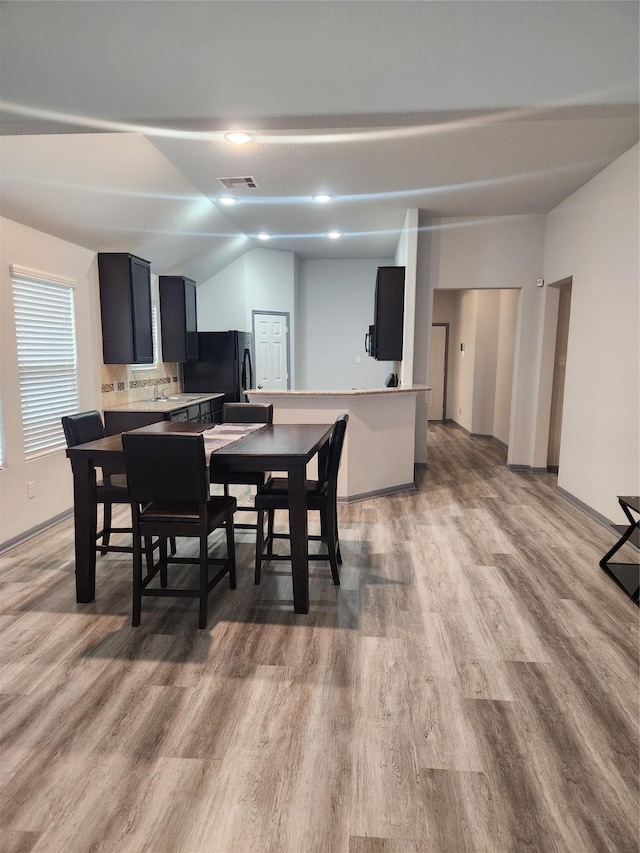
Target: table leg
x,y
85,516
298,533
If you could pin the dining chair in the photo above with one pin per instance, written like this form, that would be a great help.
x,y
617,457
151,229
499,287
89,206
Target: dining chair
x,y
112,489
242,413
321,496
169,493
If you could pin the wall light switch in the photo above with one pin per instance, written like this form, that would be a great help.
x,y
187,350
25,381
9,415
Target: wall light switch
x,y
357,359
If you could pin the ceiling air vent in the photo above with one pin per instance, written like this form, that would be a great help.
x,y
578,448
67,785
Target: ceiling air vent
x,y
240,183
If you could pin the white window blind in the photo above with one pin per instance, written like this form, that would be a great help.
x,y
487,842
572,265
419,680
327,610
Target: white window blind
x,y
155,336
47,363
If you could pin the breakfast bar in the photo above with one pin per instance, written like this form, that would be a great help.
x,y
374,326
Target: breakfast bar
x,y
379,451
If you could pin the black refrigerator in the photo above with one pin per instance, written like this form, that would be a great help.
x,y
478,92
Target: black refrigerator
x,y
223,365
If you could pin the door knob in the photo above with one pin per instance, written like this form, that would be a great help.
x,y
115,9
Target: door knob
x,y
259,386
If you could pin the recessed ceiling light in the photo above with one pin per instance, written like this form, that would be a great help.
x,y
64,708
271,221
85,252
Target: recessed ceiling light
x,y
238,137
334,235
321,198
264,236
228,200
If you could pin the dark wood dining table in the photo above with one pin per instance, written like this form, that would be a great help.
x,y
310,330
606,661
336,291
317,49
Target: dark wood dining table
x,y
276,447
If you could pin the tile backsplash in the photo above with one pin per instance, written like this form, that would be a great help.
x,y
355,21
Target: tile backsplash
x,y
121,383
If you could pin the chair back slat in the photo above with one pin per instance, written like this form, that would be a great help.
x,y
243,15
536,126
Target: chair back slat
x,y
83,427
335,447
166,468
247,413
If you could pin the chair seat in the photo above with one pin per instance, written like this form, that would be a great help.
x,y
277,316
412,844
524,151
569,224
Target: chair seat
x,y
186,513
115,492
275,494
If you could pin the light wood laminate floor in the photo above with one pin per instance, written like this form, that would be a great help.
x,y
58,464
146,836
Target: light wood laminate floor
x,y
471,686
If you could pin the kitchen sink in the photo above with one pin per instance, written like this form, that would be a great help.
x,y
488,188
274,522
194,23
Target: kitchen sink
x,y
184,398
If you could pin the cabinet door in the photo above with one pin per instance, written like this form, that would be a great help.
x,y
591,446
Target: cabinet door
x,y
389,313
141,305
191,323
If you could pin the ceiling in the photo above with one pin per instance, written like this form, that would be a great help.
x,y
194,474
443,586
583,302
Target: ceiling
x,y
113,114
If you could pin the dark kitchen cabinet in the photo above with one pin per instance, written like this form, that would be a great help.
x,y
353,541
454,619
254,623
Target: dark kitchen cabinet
x,y
178,318
125,308
386,340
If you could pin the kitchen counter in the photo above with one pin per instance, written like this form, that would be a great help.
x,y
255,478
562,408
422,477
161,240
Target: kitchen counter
x,y
351,392
379,450
165,405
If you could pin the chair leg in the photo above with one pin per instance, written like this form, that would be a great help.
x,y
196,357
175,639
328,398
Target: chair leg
x,y
259,545
270,523
164,577
106,526
332,540
231,552
204,583
137,581
338,554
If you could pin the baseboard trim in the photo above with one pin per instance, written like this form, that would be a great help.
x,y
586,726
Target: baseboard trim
x,y
379,493
420,466
486,436
34,531
525,469
590,511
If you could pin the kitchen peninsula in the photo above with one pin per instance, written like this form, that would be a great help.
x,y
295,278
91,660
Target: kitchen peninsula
x,y
379,451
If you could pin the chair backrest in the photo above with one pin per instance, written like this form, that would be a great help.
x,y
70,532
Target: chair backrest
x,y
247,413
165,468
335,448
85,426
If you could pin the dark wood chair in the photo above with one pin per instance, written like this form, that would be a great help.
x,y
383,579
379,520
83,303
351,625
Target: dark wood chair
x,y
169,493
321,496
242,413
112,489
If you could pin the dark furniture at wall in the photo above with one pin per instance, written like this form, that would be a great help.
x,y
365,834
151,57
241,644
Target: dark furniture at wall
x,y
384,339
626,575
321,496
224,364
169,492
242,413
178,318
278,447
125,308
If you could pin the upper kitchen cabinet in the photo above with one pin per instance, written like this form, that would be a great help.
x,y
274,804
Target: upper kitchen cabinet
x,y
389,314
178,318
125,306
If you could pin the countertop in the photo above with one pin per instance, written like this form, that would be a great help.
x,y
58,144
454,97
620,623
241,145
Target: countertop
x,y
353,392
167,404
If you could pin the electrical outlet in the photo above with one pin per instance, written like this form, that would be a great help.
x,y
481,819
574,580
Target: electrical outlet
x,y
357,359
31,489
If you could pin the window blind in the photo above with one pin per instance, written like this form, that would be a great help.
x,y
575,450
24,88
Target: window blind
x,y
47,362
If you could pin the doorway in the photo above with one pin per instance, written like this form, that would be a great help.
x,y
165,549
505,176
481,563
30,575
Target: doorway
x,y
437,375
559,373
271,350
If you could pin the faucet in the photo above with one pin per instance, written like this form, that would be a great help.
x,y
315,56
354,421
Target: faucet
x,y
158,395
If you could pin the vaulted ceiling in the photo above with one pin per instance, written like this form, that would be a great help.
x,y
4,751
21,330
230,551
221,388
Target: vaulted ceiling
x,y
113,118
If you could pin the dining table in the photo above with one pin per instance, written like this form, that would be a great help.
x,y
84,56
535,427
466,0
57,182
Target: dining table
x,y
274,447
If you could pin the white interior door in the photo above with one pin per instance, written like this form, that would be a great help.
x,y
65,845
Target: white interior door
x,y
271,336
436,375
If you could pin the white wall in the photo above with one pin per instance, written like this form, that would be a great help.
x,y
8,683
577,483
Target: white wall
x,y
406,256
261,280
28,248
507,324
593,237
221,300
336,309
